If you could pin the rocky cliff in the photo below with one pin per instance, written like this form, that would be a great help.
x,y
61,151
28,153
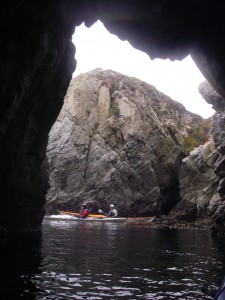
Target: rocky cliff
x,y
217,209
118,139
198,186
202,173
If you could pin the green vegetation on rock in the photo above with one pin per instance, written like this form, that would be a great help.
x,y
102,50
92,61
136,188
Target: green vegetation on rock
x,y
114,109
197,135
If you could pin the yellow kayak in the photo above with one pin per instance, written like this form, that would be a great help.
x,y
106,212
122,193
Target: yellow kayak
x,y
94,216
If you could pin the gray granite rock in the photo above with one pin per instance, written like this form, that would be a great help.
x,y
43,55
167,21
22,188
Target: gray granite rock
x,y
117,140
198,185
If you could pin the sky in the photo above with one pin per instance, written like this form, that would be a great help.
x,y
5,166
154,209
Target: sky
x,y
97,48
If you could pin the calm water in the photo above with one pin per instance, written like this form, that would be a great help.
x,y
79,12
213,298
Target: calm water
x,y
81,261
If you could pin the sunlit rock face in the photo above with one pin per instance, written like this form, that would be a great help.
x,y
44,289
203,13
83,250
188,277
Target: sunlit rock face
x,y
37,61
117,139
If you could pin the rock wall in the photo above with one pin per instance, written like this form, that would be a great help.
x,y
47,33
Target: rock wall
x,y
35,51
217,208
198,186
202,173
117,139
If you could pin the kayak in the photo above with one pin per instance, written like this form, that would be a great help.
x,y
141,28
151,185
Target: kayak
x,y
74,218
98,216
94,218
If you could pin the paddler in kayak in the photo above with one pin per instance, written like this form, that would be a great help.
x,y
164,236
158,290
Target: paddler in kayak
x,y
113,213
85,212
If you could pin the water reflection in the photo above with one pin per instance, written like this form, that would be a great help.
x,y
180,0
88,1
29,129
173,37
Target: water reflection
x,y
118,261
81,261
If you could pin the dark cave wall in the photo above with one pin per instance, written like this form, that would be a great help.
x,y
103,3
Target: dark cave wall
x,y
37,62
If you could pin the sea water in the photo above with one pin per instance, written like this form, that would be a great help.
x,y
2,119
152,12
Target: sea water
x,y
111,261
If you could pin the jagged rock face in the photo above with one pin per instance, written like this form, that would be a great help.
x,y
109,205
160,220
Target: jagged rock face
x,y
217,131
218,134
198,185
117,139
37,63
202,173
211,96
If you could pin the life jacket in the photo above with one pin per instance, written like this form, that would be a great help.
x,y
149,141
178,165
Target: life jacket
x,y
84,213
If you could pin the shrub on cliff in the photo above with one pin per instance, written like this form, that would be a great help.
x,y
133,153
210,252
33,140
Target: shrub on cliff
x,y
197,135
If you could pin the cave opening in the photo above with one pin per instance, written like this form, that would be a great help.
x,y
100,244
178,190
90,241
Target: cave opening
x,y
38,62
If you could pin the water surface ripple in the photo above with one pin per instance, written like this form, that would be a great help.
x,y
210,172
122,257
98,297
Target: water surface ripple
x,y
116,261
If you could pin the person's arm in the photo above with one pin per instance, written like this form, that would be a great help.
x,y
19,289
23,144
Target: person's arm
x,y
115,213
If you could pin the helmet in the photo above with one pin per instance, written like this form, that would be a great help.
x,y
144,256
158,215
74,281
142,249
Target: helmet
x,y
111,205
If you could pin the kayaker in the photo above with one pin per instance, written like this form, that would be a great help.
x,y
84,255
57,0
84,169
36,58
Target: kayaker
x,y
85,212
113,213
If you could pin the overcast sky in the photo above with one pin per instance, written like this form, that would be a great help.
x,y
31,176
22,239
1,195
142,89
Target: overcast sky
x,y
97,48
